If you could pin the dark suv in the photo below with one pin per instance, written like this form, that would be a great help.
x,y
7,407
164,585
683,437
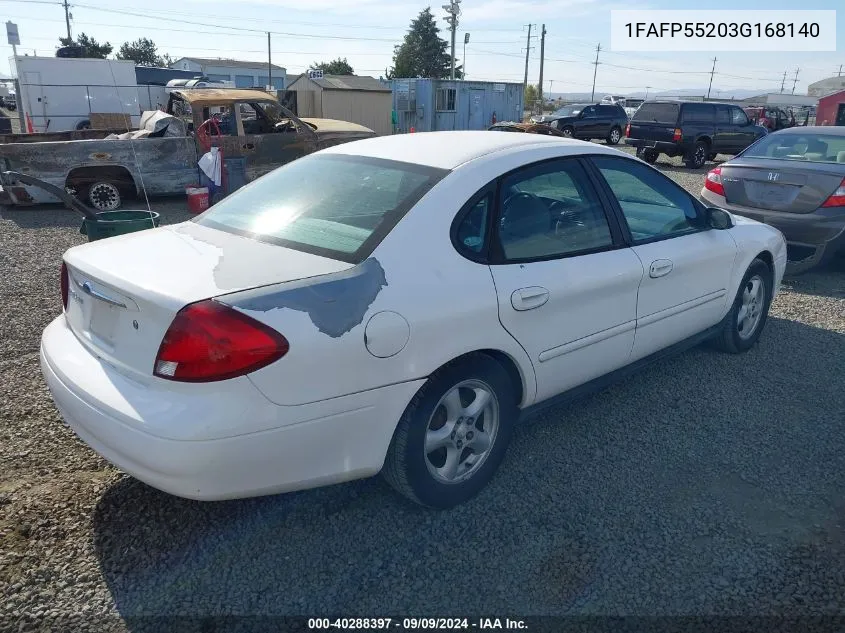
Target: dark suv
x,y
692,129
588,121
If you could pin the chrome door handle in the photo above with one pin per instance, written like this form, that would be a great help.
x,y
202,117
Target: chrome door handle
x,y
660,268
529,298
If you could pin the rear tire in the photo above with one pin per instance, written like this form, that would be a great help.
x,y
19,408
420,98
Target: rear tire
x,y
568,132
697,156
104,196
648,155
435,467
747,318
614,136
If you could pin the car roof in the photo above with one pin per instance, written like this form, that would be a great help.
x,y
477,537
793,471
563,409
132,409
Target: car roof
x,y
828,130
448,150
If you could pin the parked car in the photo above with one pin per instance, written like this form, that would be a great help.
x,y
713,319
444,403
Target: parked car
x,y
692,129
400,307
588,121
10,101
771,118
165,162
613,100
530,128
793,180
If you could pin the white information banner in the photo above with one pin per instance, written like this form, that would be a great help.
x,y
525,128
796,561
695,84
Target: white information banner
x,y
719,31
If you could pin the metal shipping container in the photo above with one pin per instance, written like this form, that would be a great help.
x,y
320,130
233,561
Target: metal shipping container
x,y
429,105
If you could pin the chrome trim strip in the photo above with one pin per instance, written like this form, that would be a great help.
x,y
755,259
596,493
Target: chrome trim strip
x,y
592,339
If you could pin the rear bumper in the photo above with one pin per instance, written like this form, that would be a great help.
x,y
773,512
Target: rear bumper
x,y
664,147
822,227
309,445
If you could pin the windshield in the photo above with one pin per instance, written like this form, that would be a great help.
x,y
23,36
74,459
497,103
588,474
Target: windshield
x,y
570,110
810,147
331,205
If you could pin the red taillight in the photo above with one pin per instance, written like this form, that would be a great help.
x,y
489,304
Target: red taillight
x,y
628,131
676,137
65,285
713,181
837,198
209,341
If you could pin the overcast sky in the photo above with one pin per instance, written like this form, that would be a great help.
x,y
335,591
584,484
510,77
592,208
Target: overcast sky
x,y
365,31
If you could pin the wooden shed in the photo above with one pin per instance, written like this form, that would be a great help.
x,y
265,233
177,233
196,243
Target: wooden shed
x,y
359,99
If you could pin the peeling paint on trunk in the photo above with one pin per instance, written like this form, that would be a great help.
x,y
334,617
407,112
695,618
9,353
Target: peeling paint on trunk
x,y
336,302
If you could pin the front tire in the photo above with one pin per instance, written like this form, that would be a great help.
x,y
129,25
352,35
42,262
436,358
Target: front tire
x,y
454,433
744,323
615,136
568,132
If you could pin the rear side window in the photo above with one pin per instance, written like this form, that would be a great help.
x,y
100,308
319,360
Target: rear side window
x,y
657,113
331,205
723,114
698,113
608,110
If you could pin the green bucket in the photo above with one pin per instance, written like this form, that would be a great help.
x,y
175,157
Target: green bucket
x,y
111,223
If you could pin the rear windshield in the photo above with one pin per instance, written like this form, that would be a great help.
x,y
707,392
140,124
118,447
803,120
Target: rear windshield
x,y
326,204
657,113
813,148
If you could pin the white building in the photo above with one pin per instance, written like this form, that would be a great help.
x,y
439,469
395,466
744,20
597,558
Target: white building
x,y
826,86
243,74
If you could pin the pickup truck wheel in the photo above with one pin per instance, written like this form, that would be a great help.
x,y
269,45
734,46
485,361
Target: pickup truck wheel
x,y
697,156
104,196
615,136
648,155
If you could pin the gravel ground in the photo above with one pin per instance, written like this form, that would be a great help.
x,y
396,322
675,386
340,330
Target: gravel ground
x,y
708,484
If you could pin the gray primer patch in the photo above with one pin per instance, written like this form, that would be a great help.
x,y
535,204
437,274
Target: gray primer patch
x,y
336,302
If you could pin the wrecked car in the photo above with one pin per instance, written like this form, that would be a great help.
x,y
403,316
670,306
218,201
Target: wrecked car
x,y
104,167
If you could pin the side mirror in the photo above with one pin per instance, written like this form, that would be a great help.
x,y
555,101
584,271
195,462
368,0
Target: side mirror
x,y
719,219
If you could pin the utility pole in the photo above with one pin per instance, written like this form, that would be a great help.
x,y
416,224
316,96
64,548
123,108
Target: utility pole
x,y
454,10
783,81
269,62
542,59
839,74
67,17
647,88
464,69
527,50
795,81
595,71
712,72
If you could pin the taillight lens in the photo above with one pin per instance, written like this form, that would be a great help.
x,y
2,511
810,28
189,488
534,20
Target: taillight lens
x,y
837,198
209,341
713,181
628,131
677,136
65,285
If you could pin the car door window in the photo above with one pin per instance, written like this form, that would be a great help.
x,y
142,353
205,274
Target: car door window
x,y
550,210
653,206
589,112
738,117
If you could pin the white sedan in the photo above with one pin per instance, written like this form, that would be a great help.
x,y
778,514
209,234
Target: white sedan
x,y
395,304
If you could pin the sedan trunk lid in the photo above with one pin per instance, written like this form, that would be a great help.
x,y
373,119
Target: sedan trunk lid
x,y
125,291
778,185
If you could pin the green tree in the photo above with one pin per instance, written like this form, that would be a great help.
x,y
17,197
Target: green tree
x,y
530,97
422,53
90,46
335,67
143,52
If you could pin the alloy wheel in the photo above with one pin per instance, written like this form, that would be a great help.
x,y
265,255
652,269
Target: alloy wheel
x,y
461,432
751,308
